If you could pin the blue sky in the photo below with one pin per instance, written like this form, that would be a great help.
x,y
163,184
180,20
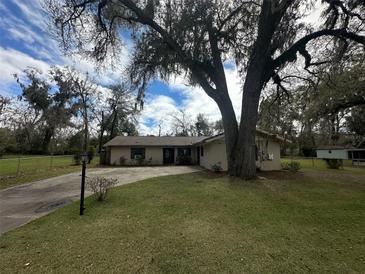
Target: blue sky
x,y
24,43
22,33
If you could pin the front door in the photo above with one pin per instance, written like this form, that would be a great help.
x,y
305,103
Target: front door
x,y
168,156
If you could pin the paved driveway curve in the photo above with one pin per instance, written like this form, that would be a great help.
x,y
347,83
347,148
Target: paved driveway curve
x,y
24,203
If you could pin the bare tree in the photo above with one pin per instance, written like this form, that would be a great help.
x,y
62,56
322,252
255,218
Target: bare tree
x,y
24,122
196,37
182,123
118,116
82,89
4,102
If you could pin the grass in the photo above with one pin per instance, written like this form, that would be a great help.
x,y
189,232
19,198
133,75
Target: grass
x,y
319,164
35,168
202,223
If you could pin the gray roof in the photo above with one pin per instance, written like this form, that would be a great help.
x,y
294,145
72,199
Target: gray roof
x,y
258,132
174,141
153,141
348,147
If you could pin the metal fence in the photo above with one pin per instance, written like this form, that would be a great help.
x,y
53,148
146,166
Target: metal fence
x,y
14,166
314,162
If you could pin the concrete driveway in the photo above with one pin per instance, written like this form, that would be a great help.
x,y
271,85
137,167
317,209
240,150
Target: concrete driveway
x,y
24,203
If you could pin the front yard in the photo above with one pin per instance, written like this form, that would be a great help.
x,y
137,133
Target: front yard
x,y
312,221
17,171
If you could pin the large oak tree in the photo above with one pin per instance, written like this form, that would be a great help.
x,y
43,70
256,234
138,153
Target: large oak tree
x,y
196,37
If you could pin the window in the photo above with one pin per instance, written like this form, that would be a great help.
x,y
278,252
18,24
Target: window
x,y
184,151
138,153
201,151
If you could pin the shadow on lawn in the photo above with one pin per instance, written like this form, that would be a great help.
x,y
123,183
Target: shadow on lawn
x,y
300,176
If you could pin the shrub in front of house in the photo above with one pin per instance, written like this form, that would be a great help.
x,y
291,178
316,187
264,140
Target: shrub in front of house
x,y
122,160
292,166
100,186
140,161
334,163
184,159
149,161
217,167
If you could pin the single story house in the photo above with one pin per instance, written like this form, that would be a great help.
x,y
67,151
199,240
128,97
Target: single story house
x,y
356,155
170,150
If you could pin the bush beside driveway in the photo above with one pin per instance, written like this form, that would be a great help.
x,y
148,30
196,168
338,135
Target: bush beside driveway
x,y
23,203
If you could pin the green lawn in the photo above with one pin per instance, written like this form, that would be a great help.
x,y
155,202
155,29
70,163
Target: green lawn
x,y
203,223
14,171
319,164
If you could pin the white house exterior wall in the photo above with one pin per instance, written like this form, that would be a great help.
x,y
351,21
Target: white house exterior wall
x,y
274,163
332,154
215,153
117,152
153,155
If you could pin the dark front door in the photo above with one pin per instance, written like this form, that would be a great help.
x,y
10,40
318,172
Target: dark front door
x,y
168,156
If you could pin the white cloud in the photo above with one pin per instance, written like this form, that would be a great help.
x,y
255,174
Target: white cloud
x,y
14,62
33,11
106,76
158,109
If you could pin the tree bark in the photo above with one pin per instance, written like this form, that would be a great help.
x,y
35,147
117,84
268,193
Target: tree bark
x,y
245,158
230,131
102,129
258,73
49,132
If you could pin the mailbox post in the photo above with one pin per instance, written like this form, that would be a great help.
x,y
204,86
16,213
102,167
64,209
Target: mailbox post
x,y
83,175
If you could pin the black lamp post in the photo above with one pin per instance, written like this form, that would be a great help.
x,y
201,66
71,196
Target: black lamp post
x,y
83,175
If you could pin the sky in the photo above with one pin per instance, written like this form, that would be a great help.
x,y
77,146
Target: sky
x,y
25,43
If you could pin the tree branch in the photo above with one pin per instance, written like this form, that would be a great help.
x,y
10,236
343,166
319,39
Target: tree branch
x,y
290,54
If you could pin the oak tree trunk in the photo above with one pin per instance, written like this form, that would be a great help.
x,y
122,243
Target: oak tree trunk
x,y
49,132
230,131
243,158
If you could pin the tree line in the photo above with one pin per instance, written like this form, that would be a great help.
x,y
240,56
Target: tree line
x,y
64,112
328,111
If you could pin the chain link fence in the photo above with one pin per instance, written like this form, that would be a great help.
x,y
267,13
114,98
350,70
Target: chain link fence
x,y
15,166
314,162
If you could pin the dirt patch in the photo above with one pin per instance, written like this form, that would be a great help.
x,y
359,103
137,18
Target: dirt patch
x,y
279,175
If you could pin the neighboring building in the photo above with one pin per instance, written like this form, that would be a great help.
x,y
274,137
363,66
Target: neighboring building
x,y
357,155
203,151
